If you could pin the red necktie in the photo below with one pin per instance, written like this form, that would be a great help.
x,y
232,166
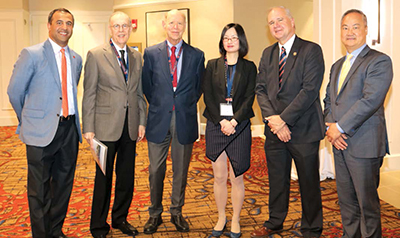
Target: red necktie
x,y
64,83
173,62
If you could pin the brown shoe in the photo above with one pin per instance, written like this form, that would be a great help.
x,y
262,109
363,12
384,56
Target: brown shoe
x,y
263,232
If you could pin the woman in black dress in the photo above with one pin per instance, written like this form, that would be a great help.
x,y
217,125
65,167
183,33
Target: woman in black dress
x,y
228,89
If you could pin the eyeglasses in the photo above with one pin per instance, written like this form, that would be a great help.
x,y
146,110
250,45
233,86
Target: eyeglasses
x,y
232,39
117,26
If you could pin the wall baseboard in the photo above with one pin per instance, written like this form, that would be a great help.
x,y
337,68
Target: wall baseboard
x,y
391,163
8,121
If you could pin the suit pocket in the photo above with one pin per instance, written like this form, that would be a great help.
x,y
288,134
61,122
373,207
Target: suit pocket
x,y
33,113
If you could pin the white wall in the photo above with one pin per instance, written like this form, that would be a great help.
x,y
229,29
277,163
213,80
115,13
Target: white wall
x,y
14,32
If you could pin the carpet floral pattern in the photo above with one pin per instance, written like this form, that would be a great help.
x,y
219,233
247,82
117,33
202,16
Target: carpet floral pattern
x,y
199,209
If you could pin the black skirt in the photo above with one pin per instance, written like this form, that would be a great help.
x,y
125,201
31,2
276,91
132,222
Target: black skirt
x,y
236,146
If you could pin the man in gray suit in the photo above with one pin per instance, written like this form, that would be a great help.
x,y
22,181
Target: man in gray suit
x,y
355,117
42,91
114,111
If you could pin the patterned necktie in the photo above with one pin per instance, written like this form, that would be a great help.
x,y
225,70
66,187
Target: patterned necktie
x,y
345,70
123,62
282,62
64,83
173,62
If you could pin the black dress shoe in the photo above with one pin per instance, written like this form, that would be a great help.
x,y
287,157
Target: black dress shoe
x,y
126,228
152,224
180,223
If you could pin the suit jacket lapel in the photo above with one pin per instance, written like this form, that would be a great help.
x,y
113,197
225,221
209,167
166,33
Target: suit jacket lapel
x,y
238,73
335,74
52,62
275,73
111,57
163,56
291,58
355,65
131,63
221,75
186,58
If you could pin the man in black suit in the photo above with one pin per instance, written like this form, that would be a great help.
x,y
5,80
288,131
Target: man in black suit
x,y
355,114
290,76
171,76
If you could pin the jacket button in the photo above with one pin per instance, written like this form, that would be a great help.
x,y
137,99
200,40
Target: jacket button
x,y
60,98
58,115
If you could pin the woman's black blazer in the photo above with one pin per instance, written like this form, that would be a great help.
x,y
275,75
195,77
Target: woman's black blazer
x,y
243,90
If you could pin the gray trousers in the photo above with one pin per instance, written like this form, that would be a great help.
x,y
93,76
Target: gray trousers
x,y
357,181
180,156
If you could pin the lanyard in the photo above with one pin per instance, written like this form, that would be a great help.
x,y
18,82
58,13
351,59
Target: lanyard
x,y
124,70
229,80
173,69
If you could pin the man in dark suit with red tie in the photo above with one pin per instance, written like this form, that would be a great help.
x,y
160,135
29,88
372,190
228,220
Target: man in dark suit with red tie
x,y
172,72
290,76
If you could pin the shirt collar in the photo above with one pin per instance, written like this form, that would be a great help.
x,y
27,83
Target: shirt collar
x,y
288,45
57,48
117,47
178,46
356,52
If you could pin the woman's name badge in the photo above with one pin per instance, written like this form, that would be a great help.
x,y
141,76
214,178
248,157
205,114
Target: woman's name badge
x,y
226,109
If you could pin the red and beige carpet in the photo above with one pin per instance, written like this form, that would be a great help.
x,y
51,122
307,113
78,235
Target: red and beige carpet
x,y
199,209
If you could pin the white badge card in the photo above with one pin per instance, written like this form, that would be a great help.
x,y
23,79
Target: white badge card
x,y
226,109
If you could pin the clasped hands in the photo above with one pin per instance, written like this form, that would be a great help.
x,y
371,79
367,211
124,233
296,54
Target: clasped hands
x,y
228,127
335,137
279,128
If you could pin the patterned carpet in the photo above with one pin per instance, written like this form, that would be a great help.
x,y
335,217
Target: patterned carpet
x,y
200,209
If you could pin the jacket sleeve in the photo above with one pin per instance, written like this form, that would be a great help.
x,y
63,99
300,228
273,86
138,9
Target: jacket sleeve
x,y
261,88
21,77
89,95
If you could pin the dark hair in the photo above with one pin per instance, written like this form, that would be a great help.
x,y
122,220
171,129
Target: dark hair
x,y
243,45
50,18
355,11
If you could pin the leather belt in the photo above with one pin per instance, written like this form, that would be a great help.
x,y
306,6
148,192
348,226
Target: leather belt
x,y
69,117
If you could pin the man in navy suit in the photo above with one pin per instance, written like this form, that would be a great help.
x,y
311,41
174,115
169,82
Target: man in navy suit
x,y
42,91
290,76
355,116
171,84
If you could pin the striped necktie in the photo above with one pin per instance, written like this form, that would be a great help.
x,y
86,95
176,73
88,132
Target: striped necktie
x,y
345,70
282,62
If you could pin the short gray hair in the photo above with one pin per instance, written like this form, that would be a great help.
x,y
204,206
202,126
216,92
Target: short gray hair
x,y
283,8
119,13
355,11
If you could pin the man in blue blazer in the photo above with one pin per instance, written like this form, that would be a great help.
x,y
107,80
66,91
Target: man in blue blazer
x,y
171,84
290,77
354,113
48,118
